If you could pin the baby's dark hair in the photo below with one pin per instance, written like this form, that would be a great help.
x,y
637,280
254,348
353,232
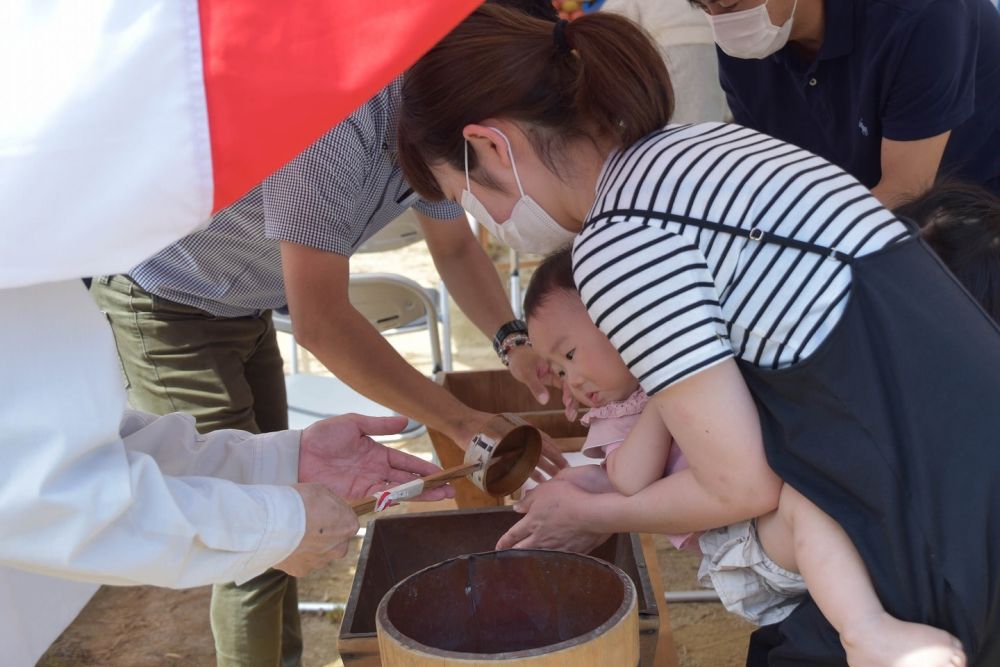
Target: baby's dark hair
x,y
961,223
554,273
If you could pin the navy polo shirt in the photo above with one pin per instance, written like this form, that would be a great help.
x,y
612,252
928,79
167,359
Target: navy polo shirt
x,y
899,69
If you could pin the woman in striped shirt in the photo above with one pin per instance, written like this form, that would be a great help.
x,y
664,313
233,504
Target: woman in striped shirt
x,y
779,318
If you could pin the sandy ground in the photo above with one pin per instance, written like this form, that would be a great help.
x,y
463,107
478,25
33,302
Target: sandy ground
x,y
145,626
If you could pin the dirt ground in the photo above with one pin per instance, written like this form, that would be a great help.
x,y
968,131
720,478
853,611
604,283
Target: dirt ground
x,y
147,627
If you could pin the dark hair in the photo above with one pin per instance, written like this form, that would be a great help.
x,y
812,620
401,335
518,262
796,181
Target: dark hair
x,y
961,222
540,9
554,273
604,79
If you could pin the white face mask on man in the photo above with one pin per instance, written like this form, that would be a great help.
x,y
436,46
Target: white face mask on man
x,y
750,33
529,229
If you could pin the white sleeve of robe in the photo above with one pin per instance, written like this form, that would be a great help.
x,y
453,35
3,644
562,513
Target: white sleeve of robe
x,y
92,492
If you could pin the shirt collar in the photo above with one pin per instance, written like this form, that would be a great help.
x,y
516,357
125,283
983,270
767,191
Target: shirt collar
x,y
838,37
393,102
838,33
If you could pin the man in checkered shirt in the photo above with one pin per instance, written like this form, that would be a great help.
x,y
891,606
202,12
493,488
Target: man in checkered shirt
x,y
194,331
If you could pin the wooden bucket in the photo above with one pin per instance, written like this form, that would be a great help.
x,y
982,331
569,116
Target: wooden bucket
x,y
524,607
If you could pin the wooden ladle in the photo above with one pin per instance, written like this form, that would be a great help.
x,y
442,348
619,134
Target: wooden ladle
x,y
499,460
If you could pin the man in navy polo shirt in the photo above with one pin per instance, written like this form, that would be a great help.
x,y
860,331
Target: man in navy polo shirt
x,y
896,92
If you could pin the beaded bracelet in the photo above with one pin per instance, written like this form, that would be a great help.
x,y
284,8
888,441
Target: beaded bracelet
x,y
508,328
512,341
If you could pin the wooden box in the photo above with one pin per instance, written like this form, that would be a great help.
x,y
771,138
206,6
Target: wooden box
x,y
498,391
397,546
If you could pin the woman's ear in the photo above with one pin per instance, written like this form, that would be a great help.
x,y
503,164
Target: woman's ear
x,y
490,146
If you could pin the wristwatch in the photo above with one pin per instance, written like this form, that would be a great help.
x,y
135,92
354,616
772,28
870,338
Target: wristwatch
x,y
512,327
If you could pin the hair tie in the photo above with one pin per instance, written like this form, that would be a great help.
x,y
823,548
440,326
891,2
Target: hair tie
x,y
559,36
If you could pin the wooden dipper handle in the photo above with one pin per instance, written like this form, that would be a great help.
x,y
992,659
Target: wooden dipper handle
x,y
366,505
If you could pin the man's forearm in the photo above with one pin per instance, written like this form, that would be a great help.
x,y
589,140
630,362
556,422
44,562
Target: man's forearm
x,y
473,282
238,456
360,356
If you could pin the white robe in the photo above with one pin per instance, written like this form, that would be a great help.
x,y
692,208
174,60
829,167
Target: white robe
x,y
93,492
164,505
105,157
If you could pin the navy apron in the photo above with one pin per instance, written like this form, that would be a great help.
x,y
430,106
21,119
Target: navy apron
x,y
892,427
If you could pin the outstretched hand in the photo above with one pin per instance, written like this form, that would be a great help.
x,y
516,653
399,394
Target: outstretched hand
x,y
555,518
338,454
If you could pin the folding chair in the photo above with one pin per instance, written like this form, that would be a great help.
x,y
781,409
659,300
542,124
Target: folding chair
x,y
400,233
387,301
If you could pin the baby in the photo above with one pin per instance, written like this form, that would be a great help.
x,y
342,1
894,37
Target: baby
x,y
762,567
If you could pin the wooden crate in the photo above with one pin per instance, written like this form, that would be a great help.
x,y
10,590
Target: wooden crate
x,y
497,391
396,547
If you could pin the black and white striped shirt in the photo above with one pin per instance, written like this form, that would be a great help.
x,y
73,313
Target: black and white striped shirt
x,y
333,196
676,298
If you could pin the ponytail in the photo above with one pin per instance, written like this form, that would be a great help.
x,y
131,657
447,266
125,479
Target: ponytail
x,y
598,77
623,87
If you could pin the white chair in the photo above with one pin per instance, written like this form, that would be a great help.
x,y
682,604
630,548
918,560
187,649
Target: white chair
x,y
399,233
389,302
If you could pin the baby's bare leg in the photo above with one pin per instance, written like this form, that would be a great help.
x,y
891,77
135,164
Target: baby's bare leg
x,y
800,537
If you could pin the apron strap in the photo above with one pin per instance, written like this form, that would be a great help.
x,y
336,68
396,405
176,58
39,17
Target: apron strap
x,y
754,234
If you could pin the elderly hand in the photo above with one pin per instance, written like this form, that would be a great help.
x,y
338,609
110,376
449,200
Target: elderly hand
x,y
330,525
555,518
338,454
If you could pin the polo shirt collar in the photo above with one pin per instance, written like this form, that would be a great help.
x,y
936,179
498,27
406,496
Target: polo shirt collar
x,y
838,37
838,33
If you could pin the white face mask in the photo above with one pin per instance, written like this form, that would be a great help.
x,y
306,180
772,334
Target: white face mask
x,y
529,229
750,33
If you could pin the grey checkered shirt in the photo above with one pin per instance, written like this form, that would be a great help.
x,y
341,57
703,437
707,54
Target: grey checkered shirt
x,y
333,196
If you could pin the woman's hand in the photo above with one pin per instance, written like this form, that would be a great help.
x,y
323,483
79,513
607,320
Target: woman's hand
x,y
555,518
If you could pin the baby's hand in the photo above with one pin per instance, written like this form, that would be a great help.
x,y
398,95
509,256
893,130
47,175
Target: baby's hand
x,y
590,478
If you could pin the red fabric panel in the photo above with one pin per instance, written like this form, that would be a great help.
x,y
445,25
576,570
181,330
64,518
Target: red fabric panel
x,y
280,73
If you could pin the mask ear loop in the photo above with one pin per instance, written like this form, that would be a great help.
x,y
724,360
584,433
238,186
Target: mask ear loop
x,y
513,164
468,182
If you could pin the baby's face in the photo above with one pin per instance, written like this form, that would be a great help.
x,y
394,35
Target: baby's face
x,y
563,334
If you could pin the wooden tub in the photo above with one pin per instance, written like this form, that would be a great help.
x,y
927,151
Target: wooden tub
x,y
396,547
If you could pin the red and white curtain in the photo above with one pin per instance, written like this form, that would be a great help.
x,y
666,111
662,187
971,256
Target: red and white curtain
x,y
125,123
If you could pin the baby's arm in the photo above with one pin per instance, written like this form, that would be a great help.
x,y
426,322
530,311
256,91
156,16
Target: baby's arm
x,y
591,478
641,459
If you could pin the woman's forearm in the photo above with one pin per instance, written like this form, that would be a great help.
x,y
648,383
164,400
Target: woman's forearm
x,y
674,504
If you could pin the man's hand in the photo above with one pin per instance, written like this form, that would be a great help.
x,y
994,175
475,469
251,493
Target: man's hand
x,y
330,525
555,518
528,367
338,454
550,462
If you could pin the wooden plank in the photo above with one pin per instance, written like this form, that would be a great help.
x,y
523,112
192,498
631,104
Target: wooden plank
x,y
666,650
359,651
